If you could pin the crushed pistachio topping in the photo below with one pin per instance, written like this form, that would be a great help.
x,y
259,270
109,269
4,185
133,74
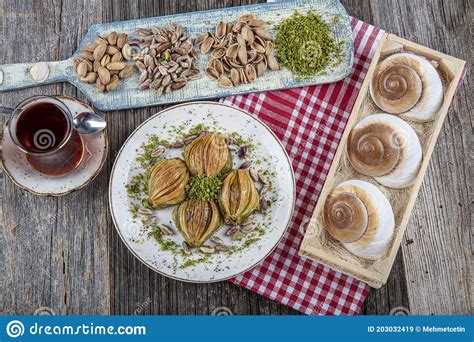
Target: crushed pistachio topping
x,y
145,157
204,188
305,44
193,262
137,187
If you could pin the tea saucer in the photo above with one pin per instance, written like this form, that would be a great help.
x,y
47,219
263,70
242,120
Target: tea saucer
x,y
20,172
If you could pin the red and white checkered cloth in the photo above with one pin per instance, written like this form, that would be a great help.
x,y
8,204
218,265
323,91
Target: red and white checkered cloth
x,y
309,121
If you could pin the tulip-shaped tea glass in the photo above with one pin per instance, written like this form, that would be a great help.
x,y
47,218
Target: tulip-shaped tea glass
x,y
42,128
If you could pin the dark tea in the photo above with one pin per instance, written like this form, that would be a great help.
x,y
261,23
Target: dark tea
x,y
44,131
42,127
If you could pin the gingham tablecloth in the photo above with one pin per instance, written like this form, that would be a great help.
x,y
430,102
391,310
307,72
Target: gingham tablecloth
x,y
309,121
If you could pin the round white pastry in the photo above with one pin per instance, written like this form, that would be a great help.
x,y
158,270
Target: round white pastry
x,y
407,85
359,215
387,148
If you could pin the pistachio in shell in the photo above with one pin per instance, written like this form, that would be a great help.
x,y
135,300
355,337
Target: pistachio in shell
x,y
197,220
90,47
112,38
113,84
167,182
208,155
81,69
99,52
239,197
90,77
86,55
112,50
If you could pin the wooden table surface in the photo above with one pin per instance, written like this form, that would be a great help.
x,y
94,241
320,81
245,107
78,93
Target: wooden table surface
x,y
64,254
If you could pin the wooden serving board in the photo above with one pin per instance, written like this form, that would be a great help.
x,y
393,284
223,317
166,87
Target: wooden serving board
x,y
128,95
317,244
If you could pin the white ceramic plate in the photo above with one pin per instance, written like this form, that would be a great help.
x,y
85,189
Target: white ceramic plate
x,y
219,266
17,168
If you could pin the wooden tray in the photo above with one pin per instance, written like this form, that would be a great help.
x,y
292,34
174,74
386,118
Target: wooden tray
x,y
320,246
127,95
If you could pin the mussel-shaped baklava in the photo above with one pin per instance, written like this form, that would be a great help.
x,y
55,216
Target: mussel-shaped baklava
x,y
387,148
359,215
407,85
208,155
239,197
197,220
167,182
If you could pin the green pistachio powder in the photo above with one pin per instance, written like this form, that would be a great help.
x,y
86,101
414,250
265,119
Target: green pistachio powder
x,y
204,188
304,44
199,187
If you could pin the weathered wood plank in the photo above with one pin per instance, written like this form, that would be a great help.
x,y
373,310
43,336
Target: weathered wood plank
x,y
54,250
393,296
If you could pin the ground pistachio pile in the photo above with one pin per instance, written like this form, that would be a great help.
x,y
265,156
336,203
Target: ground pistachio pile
x,y
199,187
305,44
204,188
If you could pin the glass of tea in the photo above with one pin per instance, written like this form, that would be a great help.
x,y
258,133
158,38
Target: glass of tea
x,y
42,127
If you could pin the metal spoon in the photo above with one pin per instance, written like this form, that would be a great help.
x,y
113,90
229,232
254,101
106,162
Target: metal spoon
x,y
84,123
88,123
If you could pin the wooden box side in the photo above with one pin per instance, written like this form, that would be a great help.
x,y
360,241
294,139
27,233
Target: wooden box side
x,y
376,273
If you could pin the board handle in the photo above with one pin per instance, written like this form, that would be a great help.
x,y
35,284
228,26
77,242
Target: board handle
x,y
24,75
